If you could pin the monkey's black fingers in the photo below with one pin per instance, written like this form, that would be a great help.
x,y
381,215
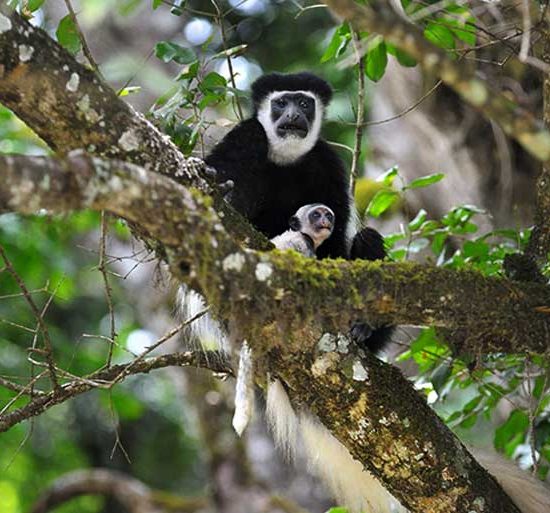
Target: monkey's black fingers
x,y
196,164
226,187
360,332
210,172
374,340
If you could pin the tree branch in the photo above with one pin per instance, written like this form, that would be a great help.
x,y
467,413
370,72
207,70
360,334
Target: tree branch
x,y
389,427
105,378
377,16
276,295
135,496
497,314
70,107
268,295
539,243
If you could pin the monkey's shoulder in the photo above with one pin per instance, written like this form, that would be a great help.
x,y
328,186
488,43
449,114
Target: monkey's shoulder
x,y
243,148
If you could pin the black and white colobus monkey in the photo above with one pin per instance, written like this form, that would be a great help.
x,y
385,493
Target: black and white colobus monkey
x,y
277,162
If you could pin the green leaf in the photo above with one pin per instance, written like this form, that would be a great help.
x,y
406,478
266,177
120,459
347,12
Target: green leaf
x,y
129,90
402,57
426,338
338,43
461,22
213,80
424,181
416,223
405,59
157,4
34,5
338,510
381,202
469,422
189,72
388,176
475,249
67,35
376,61
517,424
167,51
439,35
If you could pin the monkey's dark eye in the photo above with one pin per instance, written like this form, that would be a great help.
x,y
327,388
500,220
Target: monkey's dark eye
x,y
316,214
280,102
304,104
330,217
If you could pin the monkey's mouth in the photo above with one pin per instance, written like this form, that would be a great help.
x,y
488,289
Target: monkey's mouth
x,y
322,229
291,129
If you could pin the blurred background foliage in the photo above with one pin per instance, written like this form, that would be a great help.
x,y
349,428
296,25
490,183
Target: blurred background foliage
x,y
424,179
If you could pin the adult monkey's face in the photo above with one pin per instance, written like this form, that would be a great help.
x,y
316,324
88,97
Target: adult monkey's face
x,y
292,114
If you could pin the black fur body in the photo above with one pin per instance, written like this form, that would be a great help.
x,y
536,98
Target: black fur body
x,y
269,193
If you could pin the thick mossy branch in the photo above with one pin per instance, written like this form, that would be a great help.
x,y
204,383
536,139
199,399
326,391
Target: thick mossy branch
x,y
378,17
372,409
260,289
69,107
282,302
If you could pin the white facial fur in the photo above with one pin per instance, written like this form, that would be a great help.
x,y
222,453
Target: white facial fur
x,y
287,150
318,237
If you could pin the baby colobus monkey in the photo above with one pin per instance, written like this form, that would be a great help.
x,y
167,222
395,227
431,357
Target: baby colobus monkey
x,y
310,226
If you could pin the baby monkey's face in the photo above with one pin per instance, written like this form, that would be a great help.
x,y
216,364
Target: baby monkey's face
x,y
321,221
318,224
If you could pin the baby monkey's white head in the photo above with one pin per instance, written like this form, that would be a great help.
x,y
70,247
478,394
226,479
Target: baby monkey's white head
x,y
315,220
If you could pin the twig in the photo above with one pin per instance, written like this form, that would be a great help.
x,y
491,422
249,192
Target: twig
x,y
219,21
37,314
526,37
85,47
116,424
15,387
108,290
22,392
133,495
356,38
36,330
159,342
211,360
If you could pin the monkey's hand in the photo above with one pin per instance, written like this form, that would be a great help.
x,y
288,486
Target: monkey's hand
x,y
360,332
210,175
367,337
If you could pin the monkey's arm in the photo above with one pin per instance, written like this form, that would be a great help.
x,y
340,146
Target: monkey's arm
x,y
239,157
368,244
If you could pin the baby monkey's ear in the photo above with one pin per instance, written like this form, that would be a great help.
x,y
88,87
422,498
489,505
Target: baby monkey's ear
x,y
294,223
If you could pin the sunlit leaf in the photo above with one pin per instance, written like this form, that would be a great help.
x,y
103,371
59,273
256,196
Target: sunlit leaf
x,y
376,61
381,202
439,35
67,35
424,181
168,51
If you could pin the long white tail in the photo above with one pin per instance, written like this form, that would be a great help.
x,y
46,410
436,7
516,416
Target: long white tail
x,y
529,494
244,390
356,488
